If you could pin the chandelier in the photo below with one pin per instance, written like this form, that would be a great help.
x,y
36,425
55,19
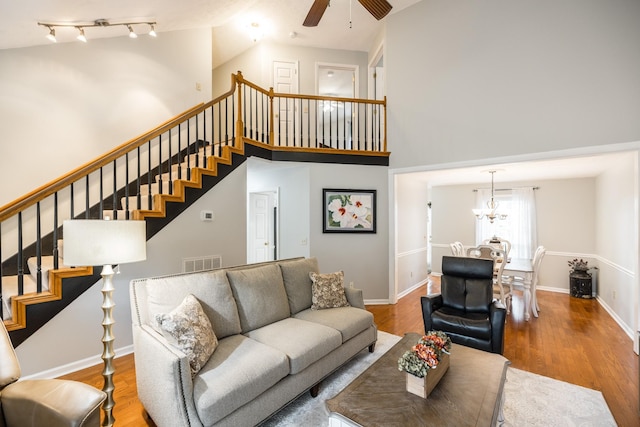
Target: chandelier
x,y
491,213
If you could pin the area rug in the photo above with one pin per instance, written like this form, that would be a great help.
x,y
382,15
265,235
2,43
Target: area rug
x,y
530,399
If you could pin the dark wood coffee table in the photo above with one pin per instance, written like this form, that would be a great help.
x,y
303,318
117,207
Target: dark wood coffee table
x,y
469,394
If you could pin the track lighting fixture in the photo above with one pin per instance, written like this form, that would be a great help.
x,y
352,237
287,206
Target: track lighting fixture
x,y
80,26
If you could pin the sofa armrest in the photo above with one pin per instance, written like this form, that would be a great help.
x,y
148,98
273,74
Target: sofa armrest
x,y
430,303
354,297
498,317
163,377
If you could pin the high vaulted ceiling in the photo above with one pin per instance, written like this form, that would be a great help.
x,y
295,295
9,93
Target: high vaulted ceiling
x,y
281,21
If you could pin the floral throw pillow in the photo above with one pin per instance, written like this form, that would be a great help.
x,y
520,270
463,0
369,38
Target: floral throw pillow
x,y
189,329
327,290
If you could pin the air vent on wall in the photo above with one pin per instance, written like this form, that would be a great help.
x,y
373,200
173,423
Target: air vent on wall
x,y
210,262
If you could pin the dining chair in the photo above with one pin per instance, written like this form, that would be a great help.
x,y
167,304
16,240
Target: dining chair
x,y
518,282
500,242
457,249
501,287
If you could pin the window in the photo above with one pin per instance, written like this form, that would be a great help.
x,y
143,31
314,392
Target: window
x,y
519,227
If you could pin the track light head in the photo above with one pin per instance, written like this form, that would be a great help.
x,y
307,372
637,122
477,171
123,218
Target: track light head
x,y
52,35
152,32
81,36
132,34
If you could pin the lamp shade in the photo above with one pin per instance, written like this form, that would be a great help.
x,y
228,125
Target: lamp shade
x,y
89,242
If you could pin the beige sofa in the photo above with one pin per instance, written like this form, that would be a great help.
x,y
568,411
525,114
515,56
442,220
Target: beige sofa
x,y
271,345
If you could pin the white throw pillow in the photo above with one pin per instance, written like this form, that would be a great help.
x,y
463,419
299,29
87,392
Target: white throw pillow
x,y
189,329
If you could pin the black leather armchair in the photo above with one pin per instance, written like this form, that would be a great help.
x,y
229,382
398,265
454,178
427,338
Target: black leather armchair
x,y
464,309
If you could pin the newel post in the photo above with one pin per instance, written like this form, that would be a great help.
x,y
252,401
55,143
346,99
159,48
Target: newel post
x,y
239,122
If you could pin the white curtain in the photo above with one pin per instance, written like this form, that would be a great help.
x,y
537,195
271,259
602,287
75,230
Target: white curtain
x,y
524,232
520,226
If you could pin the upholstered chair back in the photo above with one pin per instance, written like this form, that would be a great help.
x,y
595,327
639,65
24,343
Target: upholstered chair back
x,y
467,283
9,366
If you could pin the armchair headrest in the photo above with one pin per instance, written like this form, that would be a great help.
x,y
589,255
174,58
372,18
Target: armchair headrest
x,y
468,268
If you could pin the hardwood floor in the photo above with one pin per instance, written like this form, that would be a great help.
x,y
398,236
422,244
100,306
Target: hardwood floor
x,y
573,340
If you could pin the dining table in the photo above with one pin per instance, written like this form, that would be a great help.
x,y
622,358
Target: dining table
x,y
523,267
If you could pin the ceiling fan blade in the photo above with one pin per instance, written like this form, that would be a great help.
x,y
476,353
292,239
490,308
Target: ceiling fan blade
x,y
378,8
315,13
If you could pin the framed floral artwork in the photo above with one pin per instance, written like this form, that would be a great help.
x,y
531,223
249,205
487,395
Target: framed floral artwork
x,y
349,211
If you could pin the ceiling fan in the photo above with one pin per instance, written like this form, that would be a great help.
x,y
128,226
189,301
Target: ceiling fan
x,y
378,8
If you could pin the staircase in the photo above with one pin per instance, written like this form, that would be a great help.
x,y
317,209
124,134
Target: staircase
x,y
158,175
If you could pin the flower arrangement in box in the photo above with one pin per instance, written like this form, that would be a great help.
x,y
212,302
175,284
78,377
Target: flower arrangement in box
x,y
578,265
426,354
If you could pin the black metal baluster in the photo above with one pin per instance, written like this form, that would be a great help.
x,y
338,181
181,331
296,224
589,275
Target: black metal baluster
x,y
226,135
170,185
138,183
149,198
159,180
55,232
86,198
188,151
114,197
197,145
72,213
20,255
344,124
101,204
38,250
233,119
179,152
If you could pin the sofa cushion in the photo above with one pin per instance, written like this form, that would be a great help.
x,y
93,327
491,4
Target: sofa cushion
x,y
297,282
349,321
303,342
260,296
327,290
189,329
239,371
211,288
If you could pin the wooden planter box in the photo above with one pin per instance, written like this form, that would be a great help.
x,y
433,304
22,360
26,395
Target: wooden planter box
x,y
424,386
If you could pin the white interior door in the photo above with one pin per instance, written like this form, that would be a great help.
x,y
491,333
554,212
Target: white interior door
x,y
285,80
262,232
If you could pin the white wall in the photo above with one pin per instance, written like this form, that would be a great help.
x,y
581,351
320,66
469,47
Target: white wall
x,y
256,66
63,105
78,328
497,78
410,211
363,257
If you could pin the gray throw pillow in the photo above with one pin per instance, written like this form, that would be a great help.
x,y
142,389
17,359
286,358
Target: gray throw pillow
x,y
189,329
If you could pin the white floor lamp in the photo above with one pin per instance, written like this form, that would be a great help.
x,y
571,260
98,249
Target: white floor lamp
x,y
89,242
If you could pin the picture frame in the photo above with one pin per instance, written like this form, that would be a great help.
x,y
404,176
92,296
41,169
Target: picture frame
x,y
348,211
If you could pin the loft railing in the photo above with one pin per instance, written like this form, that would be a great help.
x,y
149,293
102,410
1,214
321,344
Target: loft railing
x,y
137,177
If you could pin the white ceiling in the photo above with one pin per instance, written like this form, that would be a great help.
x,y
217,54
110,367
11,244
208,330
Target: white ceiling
x,y
562,168
281,19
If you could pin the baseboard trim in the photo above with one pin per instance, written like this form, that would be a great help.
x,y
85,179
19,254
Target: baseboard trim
x,y
76,366
376,301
